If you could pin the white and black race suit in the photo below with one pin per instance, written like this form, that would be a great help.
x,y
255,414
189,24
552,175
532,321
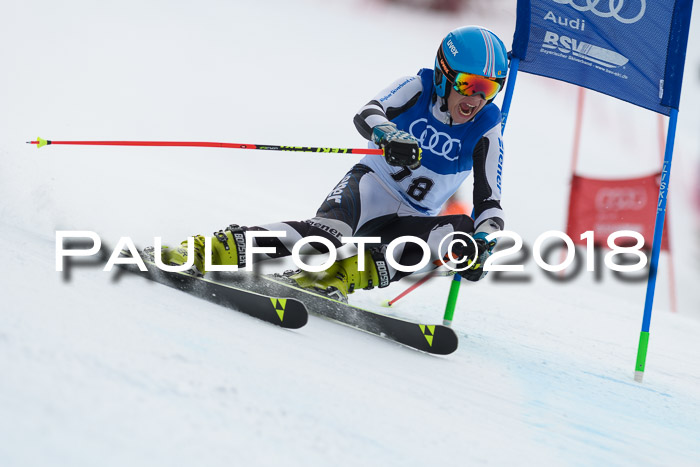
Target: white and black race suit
x,y
377,199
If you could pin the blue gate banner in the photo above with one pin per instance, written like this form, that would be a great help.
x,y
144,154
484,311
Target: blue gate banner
x,y
630,49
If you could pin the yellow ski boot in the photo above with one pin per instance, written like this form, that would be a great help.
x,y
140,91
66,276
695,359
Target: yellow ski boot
x,y
227,248
344,276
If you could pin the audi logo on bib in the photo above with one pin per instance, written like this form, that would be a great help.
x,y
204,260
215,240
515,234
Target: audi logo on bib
x,y
439,143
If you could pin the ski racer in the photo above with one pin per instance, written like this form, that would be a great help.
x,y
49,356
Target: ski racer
x,y
435,128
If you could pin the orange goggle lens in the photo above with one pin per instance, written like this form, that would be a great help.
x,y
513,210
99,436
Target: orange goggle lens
x,y
468,84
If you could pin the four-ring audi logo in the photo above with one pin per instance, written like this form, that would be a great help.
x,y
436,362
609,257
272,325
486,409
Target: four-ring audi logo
x,y
614,8
435,141
620,199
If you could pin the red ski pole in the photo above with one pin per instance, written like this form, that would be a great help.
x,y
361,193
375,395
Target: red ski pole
x,y
422,281
40,142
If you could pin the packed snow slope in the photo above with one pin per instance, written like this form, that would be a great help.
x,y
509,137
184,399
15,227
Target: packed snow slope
x,y
99,370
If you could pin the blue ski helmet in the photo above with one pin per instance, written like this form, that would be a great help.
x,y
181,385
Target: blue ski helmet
x,y
469,49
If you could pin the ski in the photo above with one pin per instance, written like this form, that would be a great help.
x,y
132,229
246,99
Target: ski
x,y
281,310
272,299
431,338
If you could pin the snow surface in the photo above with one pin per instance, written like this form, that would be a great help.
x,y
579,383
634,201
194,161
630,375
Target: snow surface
x,y
98,371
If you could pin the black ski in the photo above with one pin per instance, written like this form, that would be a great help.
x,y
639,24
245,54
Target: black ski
x,y
276,309
273,299
431,338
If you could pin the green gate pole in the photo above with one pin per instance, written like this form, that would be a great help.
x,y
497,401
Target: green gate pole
x,y
456,282
452,300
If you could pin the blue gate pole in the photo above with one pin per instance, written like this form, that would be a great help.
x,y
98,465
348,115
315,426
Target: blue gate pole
x,y
457,280
656,247
514,64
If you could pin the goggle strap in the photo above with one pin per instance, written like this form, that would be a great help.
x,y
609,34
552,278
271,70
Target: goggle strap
x,y
449,73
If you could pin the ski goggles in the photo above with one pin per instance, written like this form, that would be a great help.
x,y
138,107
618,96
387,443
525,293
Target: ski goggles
x,y
468,84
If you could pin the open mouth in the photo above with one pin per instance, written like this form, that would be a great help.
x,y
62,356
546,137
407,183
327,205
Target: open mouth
x,y
466,110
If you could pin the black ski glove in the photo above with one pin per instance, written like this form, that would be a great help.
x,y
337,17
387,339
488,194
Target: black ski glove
x,y
484,249
400,148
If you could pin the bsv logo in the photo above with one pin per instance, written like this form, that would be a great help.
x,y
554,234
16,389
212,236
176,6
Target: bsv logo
x,y
437,142
564,44
614,9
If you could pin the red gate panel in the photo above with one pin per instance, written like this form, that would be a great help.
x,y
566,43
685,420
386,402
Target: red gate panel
x,y
606,206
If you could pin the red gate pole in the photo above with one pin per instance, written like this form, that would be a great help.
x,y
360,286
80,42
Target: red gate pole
x,y
574,155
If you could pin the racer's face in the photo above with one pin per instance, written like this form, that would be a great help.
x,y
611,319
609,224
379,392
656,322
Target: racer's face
x,y
464,108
